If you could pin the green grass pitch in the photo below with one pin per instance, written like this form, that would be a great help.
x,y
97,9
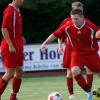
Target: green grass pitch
x,y
38,88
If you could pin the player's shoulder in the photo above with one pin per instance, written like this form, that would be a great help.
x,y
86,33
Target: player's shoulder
x,y
9,10
67,19
68,26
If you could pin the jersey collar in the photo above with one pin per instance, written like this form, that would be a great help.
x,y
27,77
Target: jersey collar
x,y
81,26
17,9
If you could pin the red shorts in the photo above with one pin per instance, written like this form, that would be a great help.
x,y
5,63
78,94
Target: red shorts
x,y
92,61
67,57
12,60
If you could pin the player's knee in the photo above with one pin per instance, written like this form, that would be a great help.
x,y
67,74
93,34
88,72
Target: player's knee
x,y
18,73
7,76
69,73
76,70
10,73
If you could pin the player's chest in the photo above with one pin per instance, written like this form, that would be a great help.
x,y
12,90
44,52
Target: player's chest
x,y
83,33
18,19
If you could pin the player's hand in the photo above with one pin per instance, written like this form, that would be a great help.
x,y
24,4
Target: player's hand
x,y
12,49
43,48
60,51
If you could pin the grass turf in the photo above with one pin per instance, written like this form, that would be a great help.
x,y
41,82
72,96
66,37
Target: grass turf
x,y
39,88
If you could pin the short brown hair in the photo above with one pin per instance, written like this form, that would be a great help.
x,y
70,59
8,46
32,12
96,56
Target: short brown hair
x,y
77,11
78,4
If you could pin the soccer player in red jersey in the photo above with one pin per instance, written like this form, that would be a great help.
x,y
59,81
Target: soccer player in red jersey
x,y
81,36
67,54
12,48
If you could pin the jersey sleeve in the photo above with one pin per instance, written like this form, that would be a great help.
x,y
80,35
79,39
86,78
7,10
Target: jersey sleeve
x,y
59,33
7,20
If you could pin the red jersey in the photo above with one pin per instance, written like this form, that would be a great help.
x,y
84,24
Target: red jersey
x,y
82,39
12,20
68,21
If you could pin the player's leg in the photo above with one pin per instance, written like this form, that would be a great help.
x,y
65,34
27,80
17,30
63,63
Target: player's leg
x,y
76,71
4,80
66,64
69,81
16,83
89,78
17,79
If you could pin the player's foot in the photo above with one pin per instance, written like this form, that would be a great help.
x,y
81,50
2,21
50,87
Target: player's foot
x,y
72,97
89,95
13,97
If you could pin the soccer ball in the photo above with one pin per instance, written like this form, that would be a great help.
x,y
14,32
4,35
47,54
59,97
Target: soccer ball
x,y
55,96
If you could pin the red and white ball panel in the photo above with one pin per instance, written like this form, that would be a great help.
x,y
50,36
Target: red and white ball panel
x,y
55,96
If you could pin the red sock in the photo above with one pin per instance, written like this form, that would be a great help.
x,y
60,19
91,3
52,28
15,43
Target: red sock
x,y
16,83
13,96
3,85
70,85
82,83
89,80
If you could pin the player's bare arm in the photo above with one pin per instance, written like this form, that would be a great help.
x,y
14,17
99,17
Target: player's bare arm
x,y
50,39
60,49
7,38
98,34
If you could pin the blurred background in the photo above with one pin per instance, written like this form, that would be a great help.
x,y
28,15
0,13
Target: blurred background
x,y
42,17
